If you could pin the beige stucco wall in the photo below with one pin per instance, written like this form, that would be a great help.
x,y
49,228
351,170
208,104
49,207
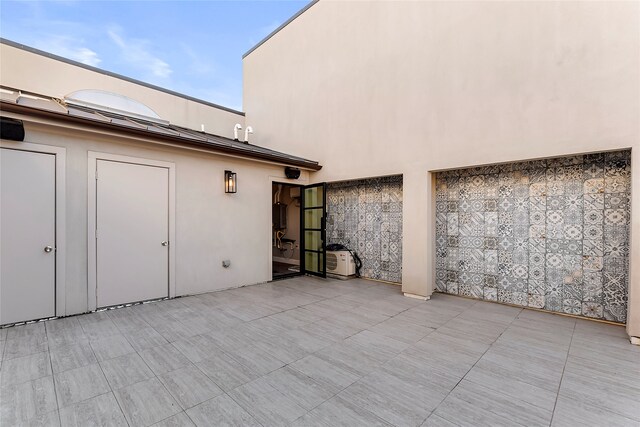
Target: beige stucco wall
x,y
380,88
28,71
211,226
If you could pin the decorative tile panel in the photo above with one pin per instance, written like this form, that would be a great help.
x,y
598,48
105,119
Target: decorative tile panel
x,y
366,216
550,234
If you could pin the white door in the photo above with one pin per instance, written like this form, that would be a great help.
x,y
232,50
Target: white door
x,y
132,232
27,235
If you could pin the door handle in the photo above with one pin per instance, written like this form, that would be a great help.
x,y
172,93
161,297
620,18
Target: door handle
x,y
165,243
48,249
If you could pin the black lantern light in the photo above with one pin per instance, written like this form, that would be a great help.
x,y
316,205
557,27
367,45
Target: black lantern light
x,y
230,182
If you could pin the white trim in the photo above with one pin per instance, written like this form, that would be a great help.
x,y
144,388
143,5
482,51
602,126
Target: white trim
x,y
61,218
93,157
420,297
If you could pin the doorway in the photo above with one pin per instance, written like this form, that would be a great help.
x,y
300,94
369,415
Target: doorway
x,y
32,231
131,231
298,230
285,230
28,217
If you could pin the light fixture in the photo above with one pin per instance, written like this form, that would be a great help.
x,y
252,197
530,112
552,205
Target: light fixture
x,y
230,182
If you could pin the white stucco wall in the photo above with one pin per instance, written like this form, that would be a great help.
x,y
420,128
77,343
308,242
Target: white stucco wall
x,y
381,88
211,226
24,70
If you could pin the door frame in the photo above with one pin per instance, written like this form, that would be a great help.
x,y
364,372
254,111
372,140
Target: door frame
x,y
93,157
60,154
275,179
293,274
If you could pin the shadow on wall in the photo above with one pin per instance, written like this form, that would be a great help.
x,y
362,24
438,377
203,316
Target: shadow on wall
x,y
366,216
551,234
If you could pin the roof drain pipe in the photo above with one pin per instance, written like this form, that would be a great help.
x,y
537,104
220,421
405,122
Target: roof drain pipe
x,y
247,131
236,128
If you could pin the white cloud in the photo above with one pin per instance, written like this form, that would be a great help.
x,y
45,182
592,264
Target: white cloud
x,y
68,48
136,52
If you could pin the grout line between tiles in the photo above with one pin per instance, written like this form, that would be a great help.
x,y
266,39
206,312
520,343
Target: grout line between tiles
x,y
472,366
553,413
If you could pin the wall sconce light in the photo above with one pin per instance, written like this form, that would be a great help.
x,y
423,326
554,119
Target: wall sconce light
x,y
230,182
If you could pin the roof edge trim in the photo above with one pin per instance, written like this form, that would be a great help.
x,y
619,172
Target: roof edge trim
x,y
270,157
277,30
115,75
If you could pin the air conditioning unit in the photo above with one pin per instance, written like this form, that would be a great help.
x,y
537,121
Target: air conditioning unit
x,y
340,263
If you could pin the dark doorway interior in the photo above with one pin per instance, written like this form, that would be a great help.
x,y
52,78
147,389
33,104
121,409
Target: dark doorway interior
x,y
285,231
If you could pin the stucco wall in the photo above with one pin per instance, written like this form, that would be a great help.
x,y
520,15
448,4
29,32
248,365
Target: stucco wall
x,y
382,88
24,70
211,226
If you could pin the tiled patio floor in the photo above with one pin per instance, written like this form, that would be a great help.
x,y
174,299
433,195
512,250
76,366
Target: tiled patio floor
x,y
312,352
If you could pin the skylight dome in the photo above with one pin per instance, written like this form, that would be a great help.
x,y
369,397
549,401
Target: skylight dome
x,y
111,102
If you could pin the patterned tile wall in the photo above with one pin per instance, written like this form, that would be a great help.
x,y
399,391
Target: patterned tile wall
x,y
366,216
550,234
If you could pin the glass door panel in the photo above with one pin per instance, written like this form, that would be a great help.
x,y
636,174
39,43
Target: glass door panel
x,y
314,230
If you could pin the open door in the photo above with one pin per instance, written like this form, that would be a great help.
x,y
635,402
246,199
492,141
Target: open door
x,y
313,256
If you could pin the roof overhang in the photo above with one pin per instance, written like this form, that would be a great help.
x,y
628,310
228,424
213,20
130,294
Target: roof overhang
x,y
175,136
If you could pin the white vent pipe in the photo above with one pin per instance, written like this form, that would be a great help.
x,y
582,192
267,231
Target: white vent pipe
x,y
236,128
247,131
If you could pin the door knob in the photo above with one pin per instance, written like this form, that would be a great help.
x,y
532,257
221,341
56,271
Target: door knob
x,y
48,249
165,243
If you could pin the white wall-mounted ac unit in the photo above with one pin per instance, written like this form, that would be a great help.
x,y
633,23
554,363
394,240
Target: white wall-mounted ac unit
x,y
340,263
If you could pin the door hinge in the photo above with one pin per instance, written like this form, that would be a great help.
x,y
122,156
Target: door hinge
x,y
96,174
96,233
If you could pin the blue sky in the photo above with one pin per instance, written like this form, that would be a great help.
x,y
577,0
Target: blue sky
x,y
193,47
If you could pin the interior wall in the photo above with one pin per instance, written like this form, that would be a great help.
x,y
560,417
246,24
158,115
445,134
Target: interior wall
x,y
293,225
366,216
551,234
211,226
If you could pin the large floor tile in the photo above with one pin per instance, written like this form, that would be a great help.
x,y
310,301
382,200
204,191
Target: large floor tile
x,y
399,402
30,330
143,338
221,411
164,358
79,384
125,370
227,372
471,404
189,386
334,378
602,391
25,368
256,359
178,420
110,347
266,404
570,412
401,330
146,403
64,332
298,387
26,402
338,412
503,382
102,410
72,356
